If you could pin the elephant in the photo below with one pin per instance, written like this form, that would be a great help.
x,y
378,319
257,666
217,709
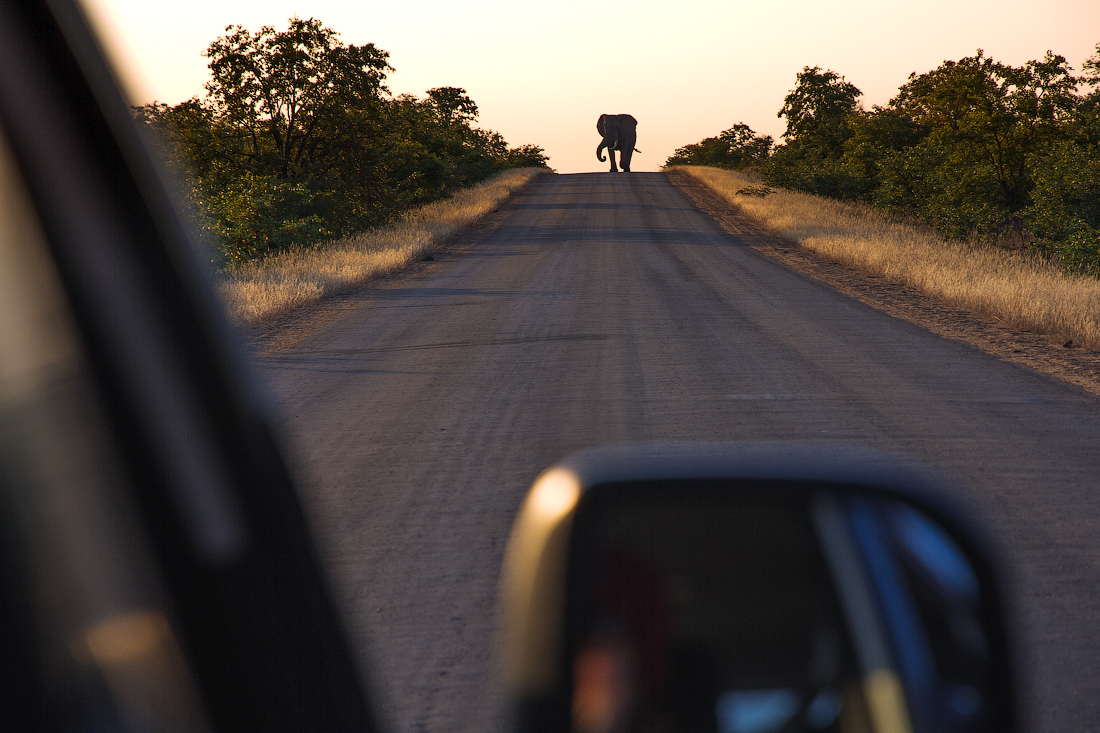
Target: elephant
x,y
620,132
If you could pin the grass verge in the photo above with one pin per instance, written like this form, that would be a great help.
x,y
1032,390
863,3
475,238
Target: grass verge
x,y
283,282
1013,288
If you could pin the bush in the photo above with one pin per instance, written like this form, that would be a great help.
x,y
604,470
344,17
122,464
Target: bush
x,y
298,140
976,148
1065,205
258,215
733,149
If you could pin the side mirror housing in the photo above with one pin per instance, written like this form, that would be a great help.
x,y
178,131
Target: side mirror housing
x,y
750,588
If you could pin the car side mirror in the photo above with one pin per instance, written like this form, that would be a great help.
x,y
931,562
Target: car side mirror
x,y
749,588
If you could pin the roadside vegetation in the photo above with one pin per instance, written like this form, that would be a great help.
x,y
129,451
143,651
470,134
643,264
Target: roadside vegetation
x,y
298,142
293,278
983,153
1016,287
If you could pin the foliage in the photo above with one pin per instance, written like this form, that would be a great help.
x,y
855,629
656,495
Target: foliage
x,y
986,120
257,214
977,148
292,101
1065,205
298,140
734,149
817,110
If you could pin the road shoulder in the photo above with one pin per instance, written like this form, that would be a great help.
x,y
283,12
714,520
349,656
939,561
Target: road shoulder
x,y
1074,365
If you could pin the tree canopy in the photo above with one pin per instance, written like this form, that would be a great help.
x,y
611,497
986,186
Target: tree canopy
x,y
289,99
735,148
298,140
817,109
977,148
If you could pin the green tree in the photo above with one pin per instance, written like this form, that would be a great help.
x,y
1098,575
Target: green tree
x,y
817,110
1084,127
876,136
527,156
298,140
291,99
736,148
988,119
975,147
1064,213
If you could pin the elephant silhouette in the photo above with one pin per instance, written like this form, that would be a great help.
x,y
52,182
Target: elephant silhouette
x,y
620,132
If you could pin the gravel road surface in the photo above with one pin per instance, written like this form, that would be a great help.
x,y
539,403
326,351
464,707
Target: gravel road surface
x,y
605,309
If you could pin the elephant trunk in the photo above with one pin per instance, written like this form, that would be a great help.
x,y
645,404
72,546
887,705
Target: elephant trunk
x,y
599,150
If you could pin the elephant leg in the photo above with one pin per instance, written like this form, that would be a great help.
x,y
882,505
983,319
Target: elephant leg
x,y
611,154
626,142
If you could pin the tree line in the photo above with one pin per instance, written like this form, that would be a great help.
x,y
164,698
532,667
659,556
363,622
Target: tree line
x,y
298,140
978,149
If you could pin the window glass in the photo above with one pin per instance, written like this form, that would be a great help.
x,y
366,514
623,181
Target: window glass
x,y
82,592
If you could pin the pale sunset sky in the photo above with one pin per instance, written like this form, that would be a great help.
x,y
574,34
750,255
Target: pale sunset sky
x,y
543,72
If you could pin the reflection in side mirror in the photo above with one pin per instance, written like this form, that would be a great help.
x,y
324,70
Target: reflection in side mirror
x,y
748,589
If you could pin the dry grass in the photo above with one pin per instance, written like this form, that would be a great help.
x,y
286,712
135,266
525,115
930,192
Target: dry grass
x,y
1013,288
290,280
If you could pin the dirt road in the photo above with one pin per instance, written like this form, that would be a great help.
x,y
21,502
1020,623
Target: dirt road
x,y
607,309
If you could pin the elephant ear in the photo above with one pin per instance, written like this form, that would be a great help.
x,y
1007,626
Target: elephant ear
x,y
601,124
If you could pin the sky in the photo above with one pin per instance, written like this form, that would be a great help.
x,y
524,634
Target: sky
x,y
543,73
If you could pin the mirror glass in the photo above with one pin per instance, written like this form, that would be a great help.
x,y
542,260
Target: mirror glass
x,y
691,607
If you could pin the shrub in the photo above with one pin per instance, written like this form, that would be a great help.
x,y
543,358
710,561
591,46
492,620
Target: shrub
x,y
298,140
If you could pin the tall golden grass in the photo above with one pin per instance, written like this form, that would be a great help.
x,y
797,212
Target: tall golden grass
x,y
1014,288
282,282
